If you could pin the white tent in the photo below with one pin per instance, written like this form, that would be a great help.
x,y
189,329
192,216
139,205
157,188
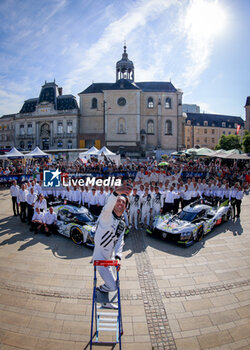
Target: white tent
x,y
106,155
13,154
93,151
37,153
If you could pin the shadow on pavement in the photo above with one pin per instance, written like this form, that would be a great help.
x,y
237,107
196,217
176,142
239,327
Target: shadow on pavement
x,y
60,246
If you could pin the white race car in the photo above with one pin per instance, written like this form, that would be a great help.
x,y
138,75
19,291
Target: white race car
x,y
192,223
76,223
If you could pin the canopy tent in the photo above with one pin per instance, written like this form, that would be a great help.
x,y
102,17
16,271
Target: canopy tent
x,y
37,153
13,154
221,153
106,155
93,151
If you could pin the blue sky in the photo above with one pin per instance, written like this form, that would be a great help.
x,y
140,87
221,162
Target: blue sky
x,y
201,45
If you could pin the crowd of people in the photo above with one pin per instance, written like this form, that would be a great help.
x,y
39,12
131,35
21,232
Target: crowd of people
x,y
155,191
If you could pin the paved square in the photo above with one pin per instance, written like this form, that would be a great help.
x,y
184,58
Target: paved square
x,y
172,297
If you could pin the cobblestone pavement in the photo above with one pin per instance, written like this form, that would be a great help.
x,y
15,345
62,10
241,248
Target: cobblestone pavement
x,y
172,298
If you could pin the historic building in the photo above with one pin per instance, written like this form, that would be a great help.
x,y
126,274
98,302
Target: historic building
x,y
49,121
138,116
247,108
205,130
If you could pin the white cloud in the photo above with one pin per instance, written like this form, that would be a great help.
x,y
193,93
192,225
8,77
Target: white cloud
x,y
200,25
114,33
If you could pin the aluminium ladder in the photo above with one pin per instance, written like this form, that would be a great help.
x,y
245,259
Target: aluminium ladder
x,y
106,320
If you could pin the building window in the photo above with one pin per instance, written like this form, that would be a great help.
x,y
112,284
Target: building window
x,y
150,102
59,144
121,126
22,130
21,144
205,139
29,145
29,129
168,127
223,132
212,131
168,103
94,103
150,127
188,122
213,124
223,124
205,131
69,127
198,124
59,127
212,140
229,132
205,123
235,125
198,140
188,138
69,144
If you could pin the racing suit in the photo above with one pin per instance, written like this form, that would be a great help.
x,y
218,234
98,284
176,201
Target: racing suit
x,y
157,203
133,210
146,202
109,241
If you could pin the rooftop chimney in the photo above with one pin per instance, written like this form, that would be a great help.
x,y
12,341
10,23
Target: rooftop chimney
x,y
60,89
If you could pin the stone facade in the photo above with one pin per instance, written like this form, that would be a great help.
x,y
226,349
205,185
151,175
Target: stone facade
x,y
49,121
247,108
137,116
205,130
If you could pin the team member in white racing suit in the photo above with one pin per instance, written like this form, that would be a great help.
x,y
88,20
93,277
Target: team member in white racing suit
x,y
146,204
109,236
157,202
134,208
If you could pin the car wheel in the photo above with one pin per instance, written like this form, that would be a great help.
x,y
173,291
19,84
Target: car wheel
x,y
200,234
228,215
76,235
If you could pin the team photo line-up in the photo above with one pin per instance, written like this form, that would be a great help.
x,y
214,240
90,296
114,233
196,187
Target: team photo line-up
x,y
152,194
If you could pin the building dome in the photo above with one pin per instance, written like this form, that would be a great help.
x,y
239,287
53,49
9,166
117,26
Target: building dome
x,y
125,67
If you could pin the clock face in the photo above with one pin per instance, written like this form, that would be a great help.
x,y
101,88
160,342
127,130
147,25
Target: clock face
x,y
121,101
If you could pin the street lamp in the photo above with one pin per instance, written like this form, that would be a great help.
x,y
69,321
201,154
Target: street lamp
x,y
105,109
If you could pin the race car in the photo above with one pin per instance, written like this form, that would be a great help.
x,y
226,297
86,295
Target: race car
x,y
192,223
76,223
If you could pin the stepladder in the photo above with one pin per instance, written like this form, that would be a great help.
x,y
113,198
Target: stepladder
x,y
106,322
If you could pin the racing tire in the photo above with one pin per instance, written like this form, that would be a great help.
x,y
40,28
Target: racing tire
x,y
200,235
76,235
227,216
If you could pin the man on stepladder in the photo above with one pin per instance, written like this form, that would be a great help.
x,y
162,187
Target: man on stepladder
x,y
109,236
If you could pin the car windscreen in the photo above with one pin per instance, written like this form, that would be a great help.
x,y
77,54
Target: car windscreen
x,y
187,216
84,217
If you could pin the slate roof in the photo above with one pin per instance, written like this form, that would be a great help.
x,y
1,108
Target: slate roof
x,y
248,101
197,119
63,102
156,86
124,84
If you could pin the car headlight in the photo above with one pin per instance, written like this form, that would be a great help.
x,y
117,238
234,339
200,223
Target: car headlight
x,y
185,235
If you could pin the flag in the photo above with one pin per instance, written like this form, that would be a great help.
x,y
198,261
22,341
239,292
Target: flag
x,y
238,129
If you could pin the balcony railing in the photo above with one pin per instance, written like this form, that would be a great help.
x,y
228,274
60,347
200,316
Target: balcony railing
x,y
65,135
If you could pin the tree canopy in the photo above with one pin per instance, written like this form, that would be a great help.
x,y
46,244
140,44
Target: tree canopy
x,y
229,142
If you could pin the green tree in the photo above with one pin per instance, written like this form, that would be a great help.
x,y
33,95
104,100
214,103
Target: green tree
x,y
246,142
229,142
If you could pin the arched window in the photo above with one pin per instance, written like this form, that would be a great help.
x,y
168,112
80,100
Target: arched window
x,y
59,144
21,144
168,103
94,103
150,103
69,144
168,127
121,126
60,128
150,127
